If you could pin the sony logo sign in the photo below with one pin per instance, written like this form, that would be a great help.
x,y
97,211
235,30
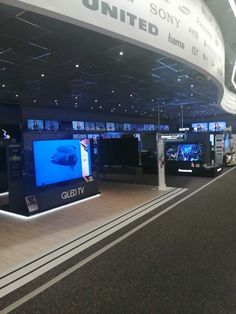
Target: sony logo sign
x,y
72,193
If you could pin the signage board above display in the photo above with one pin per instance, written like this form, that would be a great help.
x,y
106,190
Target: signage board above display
x,y
183,29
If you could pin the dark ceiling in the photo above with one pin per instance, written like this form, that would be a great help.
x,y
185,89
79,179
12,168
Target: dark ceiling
x,y
48,63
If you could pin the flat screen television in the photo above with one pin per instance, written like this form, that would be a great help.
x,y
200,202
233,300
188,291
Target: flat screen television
x,y
35,125
51,125
217,126
61,160
89,126
119,127
110,126
184,152
66,126
200,127
78,125
100,126
127,127
118,151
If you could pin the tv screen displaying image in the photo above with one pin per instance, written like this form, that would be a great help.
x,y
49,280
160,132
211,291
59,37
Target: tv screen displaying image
x,y
100,126
78,125
51,125
94,137
66,126
119,127
35,125
182,152
89,126
127,127
61,160
118,151
217,126
110,126
200,127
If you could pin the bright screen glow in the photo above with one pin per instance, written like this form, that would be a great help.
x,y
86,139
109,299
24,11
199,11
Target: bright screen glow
x,y
35,125
200,127
61,160
110,126
78,125
51,125
217,126
185,152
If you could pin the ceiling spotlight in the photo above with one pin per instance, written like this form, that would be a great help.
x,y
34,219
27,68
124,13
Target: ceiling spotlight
x,y
35,100
191,86
17,95
152,100
3,85
76,106
76,103
119,105
163,102
113,91
77,65
55,100
95,100
121,53
42,75
100,107
125,110
191,95
178,79
76,97
130,95
132,107
91,108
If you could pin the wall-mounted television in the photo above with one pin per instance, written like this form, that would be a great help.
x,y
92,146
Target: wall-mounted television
x,y
110,126
118,151
127,127
89,126
217,126
100,126
119,127
51,125
78,125
61,160
66,126
184,152
200,127
35,125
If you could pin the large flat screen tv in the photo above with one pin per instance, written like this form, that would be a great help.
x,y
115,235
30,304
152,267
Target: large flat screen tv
x,y
118,151
200,127
61,160
51,125
184,152
78,125
35,125
217,126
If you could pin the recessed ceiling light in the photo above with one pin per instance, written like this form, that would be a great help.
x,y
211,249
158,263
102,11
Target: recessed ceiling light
x,y
152,100
76,106
76,97
42,75
136,111
163,102
95,100
76,103
153,109
125,110
121,53
191,85
35,100
191,95
77,65
91,108
3,85
17,95
100,107
132,107
55,100
119,105
130,95
178,79
113,91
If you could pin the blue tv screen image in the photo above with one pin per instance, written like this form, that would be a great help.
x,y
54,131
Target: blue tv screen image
x,y
110,126
78,125
61,160
51,125
200,127
217,126
182,152
35,125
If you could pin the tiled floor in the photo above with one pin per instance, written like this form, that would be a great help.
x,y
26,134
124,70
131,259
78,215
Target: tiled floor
x,y
22,240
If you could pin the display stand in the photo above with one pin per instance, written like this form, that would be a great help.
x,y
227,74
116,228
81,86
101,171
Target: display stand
x,y
26,199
